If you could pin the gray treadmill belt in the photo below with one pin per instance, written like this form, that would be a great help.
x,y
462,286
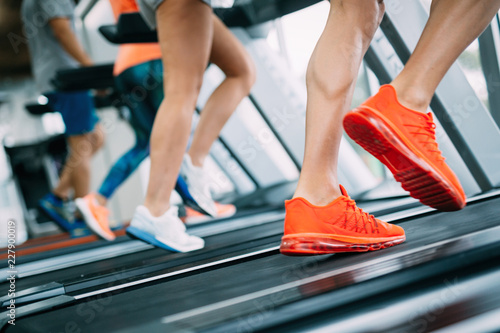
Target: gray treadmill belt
x,y
240,218
393,209
145,264
125,247
154,261
234,291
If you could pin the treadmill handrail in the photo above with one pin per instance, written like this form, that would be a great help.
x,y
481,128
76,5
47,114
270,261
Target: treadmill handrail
x,y
131,27
84,78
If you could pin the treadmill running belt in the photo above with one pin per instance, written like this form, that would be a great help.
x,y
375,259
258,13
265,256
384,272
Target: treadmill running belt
x,y
227,293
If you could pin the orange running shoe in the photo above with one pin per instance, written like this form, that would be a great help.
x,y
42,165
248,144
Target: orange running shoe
x,y
223,211
337,227
95,215
405,141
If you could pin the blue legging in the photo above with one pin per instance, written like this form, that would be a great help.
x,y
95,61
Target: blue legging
x,y
141,89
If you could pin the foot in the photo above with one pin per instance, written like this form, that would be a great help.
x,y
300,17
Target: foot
x,y
166,231
62,212
80,229
337,227
193,186
95,215
223,211
405,141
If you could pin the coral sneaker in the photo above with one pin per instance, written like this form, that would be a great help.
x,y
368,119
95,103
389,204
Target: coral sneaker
x,y
405,141
223,211
95,215
337,227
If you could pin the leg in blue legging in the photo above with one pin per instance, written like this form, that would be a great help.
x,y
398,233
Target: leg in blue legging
x,y
142,90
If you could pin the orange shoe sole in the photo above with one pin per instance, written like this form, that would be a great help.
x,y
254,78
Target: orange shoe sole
x,y
412,170
317,244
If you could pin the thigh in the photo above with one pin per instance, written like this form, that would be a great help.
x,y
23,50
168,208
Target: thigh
x,y
228,53
185,32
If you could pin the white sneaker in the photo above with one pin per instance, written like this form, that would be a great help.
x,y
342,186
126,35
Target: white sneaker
x,y
198,186
175,199
166,231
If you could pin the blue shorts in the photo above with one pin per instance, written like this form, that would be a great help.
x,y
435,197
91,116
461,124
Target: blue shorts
x,y
77,110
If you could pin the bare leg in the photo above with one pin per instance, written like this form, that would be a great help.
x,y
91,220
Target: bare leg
x,y
331,77
97,138
451,27
231,57
185,31
63,187
76,171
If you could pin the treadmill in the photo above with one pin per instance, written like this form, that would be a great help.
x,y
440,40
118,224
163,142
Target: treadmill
x,y
136,261
253,288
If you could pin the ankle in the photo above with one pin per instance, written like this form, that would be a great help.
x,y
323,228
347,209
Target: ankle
x,y
197,160
155,209
60,195
412,97
101,199
320,196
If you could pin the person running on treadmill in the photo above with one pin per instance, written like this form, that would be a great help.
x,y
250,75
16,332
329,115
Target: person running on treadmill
x,y
392,125
138,75
190,36
53,45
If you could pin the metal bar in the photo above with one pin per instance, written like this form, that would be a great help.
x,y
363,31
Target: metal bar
x,y
297,163
235,158
491,70
455,104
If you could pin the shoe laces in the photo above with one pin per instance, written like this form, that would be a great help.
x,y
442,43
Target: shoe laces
x,y
428,130
175,222
97,209
205,183
201,181
362,216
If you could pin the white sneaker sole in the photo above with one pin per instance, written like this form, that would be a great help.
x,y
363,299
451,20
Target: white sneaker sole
x,y
169,245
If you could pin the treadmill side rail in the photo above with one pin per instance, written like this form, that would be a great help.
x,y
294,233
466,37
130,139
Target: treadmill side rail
x,y
37,293
37,307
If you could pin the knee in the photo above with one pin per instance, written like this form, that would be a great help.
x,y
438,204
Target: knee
x,y
183,86
80,147
364,14
79,155
97,138
245,73
181,93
